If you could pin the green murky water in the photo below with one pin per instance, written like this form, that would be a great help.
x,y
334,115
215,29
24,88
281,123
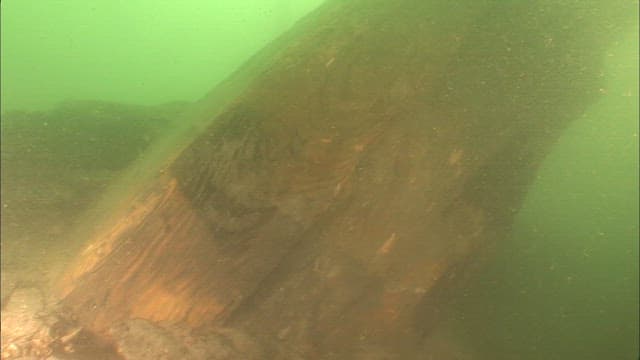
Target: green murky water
x,y
564,287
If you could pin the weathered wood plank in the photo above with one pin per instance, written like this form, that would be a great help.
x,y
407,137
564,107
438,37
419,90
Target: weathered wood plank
x,y
374,150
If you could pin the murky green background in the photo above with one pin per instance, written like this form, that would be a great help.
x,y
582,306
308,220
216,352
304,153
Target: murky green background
x,y
141,51
564,287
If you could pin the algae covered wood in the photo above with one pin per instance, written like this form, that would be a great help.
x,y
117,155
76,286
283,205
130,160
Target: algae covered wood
x,y
351,172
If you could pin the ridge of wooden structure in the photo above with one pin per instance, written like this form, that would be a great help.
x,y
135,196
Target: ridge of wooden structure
x,y
349,173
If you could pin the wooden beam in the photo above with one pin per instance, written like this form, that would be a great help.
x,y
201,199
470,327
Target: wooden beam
x,y
356,168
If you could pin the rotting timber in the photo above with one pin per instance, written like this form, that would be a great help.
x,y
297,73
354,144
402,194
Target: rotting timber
x,y
350,172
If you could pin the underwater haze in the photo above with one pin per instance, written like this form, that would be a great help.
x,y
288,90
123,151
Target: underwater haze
x,y
566,284
566,287
140,52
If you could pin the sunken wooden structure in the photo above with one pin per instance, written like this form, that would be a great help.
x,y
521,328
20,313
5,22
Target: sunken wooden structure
x,y
349,174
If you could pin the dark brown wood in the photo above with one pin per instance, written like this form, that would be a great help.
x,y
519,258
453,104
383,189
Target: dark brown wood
x,y
350,173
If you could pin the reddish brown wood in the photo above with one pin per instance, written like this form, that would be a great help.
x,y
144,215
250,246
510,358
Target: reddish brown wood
x,y
351,172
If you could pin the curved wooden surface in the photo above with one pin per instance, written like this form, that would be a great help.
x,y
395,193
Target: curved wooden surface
x,y
374,150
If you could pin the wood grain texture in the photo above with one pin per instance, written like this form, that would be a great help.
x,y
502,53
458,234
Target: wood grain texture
x,y
375,149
